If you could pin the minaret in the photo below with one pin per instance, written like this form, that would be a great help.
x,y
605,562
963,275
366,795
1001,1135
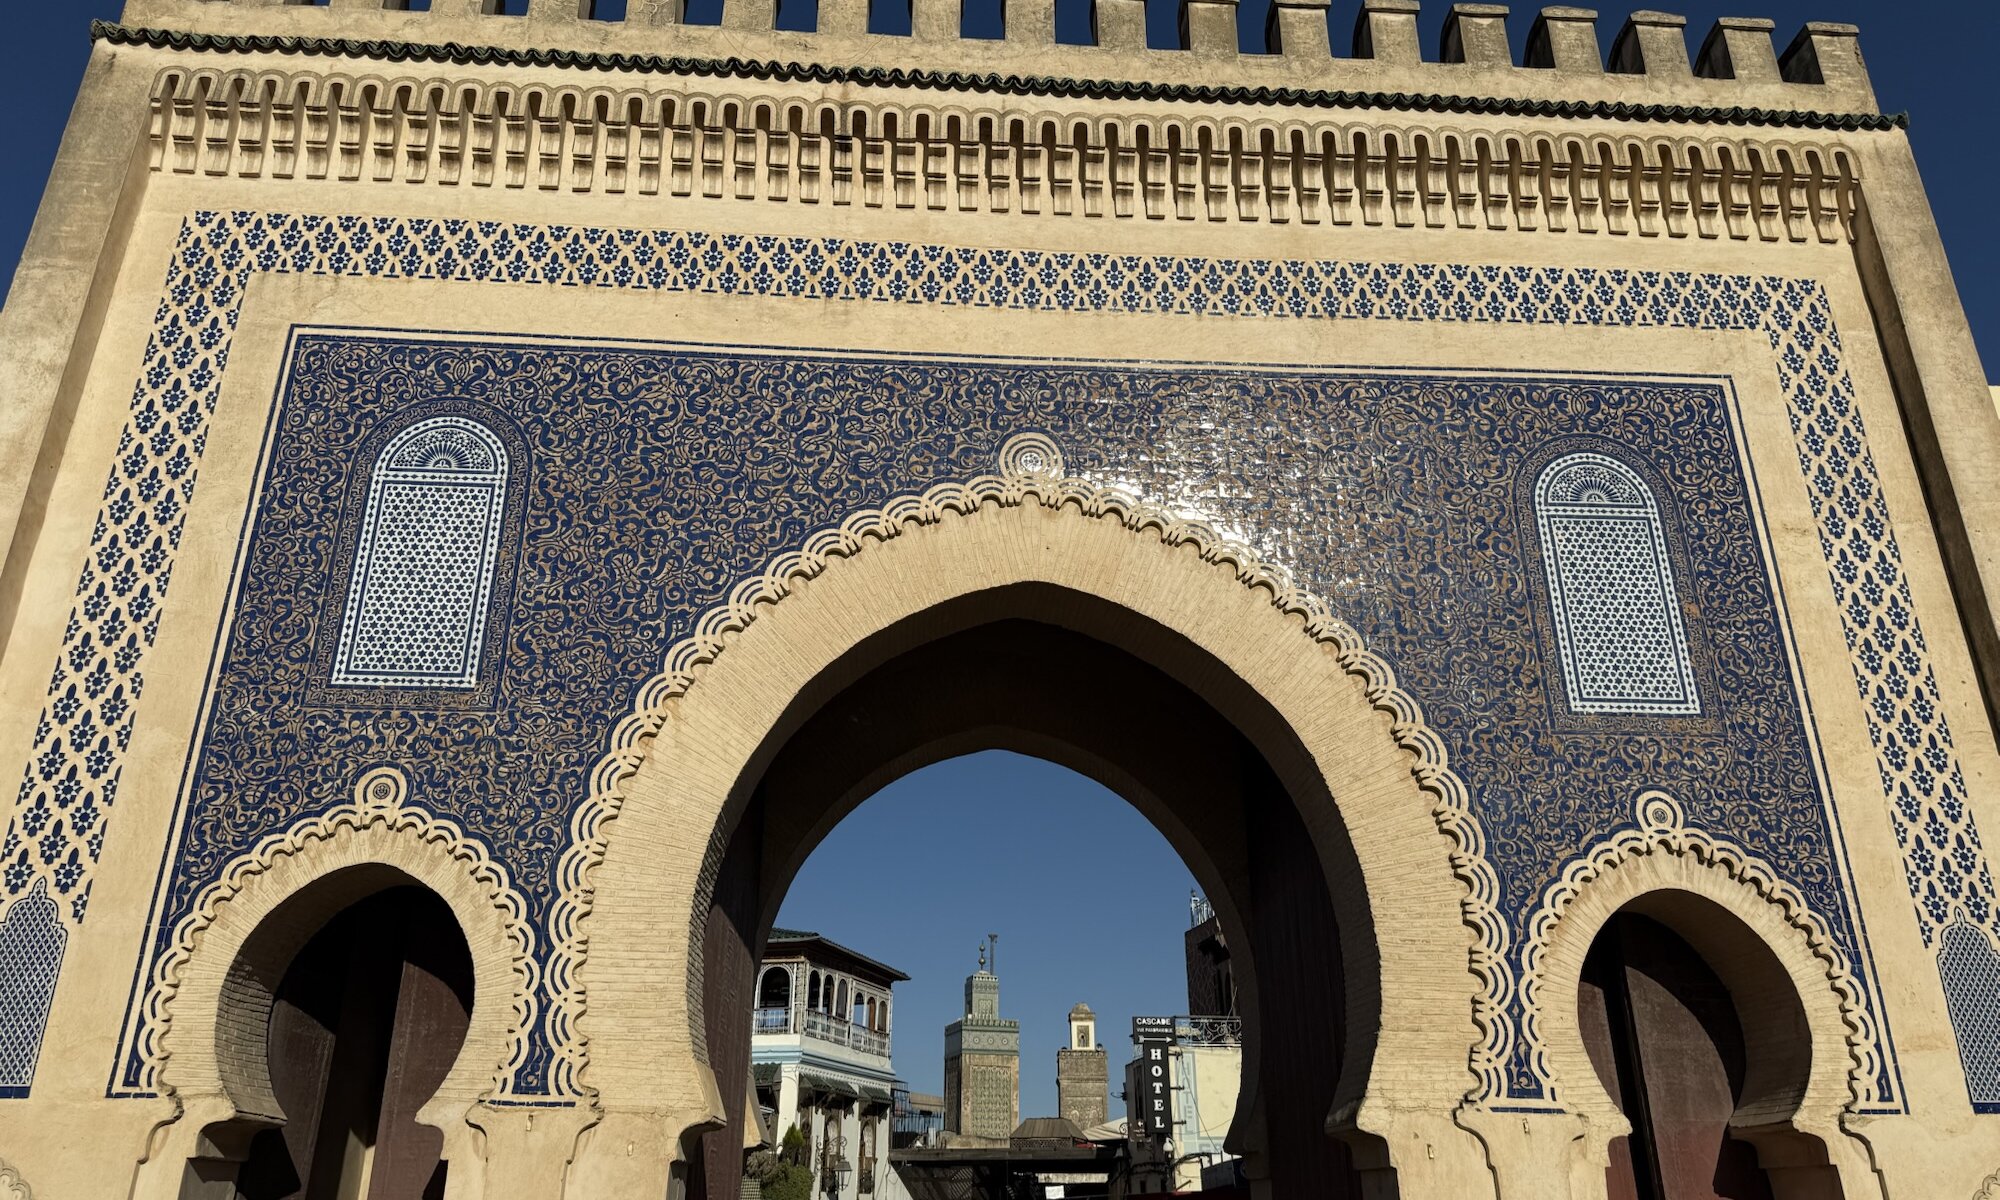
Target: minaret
x,y
982,1061
1083,1090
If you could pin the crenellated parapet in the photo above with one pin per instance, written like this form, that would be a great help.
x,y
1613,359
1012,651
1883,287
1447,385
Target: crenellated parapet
x,y
1304,51
1738,142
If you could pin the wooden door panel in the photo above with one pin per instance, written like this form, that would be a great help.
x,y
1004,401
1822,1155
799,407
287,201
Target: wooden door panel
x,y
1688,1039
299,1056
1687,1087
1663,1035
433,1009
1594,1003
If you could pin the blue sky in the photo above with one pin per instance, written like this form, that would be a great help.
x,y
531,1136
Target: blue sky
x,y
1089,900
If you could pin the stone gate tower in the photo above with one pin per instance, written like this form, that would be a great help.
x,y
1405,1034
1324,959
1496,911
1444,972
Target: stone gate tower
x,y
484,489
982,1063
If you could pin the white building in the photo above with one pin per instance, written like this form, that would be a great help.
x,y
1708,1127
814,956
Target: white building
x,y
1204,1076
819,1055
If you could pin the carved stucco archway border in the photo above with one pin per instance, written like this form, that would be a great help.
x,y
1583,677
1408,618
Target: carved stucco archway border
x,y
12,1186
1659,856
1031,471
378,829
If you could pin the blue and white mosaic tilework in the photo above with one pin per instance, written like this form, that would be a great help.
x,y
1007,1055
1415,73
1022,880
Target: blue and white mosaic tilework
x,y
1616,611
423,574
1971,970
666,474
55,832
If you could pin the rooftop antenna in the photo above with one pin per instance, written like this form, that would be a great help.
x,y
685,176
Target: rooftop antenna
x,y
995,938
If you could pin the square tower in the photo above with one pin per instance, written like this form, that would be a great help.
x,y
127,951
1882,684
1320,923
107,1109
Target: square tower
x,y
1082,1082
982,1062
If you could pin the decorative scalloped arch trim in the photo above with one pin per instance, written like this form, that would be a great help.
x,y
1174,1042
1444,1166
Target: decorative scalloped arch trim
x,y
1989,1188
1663,828
1031,472
380,802
12,1186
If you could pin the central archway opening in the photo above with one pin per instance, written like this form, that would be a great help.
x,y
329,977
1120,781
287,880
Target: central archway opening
x,y
894,1038
1084,684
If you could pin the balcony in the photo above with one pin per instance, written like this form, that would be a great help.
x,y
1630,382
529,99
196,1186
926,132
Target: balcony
x,y
1208,1031
822,1026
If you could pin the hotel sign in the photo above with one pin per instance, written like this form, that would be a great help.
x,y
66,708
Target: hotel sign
x,y
1155,1038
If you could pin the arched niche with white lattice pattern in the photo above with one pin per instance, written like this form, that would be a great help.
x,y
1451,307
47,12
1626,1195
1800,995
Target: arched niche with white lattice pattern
x,y
1969,964
1615,608
32,938
423,569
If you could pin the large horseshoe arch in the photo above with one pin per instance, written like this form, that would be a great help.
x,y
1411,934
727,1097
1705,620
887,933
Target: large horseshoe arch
x,y
1130,656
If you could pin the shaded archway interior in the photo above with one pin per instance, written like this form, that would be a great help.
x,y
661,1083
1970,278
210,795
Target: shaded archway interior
x,y
1696,1031
1091,686
362,1027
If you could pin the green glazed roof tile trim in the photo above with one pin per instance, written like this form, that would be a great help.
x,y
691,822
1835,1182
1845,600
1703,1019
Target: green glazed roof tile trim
x,y
958,81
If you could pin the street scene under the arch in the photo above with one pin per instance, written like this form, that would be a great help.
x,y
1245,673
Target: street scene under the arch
x,y
994,600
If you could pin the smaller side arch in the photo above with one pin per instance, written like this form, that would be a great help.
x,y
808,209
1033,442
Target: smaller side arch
x,y
212,991
1757,933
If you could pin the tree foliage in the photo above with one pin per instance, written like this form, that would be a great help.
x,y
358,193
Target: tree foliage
x,y
789,1182
796,1148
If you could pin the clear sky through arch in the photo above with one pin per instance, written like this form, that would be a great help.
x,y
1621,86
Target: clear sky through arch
x,y
1089,900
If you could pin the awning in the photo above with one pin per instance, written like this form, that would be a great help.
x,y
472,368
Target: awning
x,y
766,1074
874,1093
827,1085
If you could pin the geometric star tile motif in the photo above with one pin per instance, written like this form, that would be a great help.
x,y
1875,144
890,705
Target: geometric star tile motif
x,y
1616,611
417,608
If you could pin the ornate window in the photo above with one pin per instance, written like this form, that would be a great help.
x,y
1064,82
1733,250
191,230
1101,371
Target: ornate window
x,y
1971,970
775,990
32,938
1611,588
423,567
